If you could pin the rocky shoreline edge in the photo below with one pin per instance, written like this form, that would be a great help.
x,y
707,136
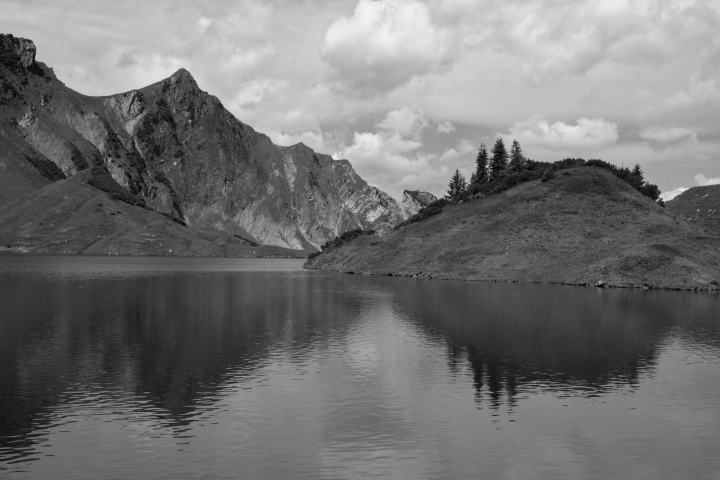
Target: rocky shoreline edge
x,y
601,284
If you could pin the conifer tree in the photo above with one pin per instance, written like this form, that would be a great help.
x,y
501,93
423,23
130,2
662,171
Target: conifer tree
x,y
499,160
457,186
636,177
481,161
516,157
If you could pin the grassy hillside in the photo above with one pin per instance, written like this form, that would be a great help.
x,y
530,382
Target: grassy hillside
x,y
583,226
73,216
699,206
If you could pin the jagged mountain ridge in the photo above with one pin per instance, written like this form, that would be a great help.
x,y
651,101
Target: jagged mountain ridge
x,y
178,149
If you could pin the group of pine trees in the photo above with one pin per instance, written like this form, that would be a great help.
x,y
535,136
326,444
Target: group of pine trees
x,y
497,171
488,168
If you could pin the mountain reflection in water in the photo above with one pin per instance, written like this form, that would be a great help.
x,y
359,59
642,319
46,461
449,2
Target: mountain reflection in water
x,y
165,365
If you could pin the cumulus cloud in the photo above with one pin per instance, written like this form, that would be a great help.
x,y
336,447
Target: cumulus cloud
x,y
698,92
572,38
203,23
700,180
703,181
394,163
667,196
404,121
313,139
256,91
462,150
385,43
445,127
667,134
586,133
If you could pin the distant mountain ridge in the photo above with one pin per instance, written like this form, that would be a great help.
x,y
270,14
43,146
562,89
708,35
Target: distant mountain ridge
x,y
176,148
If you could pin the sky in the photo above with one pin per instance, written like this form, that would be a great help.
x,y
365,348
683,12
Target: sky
x,y
407,90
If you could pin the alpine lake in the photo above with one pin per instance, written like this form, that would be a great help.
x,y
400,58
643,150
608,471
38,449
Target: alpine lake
x,y
168,368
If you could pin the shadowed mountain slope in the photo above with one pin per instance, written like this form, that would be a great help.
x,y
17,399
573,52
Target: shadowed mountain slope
x,y
182,153
584,226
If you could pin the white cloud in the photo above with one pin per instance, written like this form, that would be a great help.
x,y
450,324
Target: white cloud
x,y
393,163
314,140
404,121
703,181
699,92
667,196
385,43
255,91
464,149
586,133
445,127
667,134
203,23
700,180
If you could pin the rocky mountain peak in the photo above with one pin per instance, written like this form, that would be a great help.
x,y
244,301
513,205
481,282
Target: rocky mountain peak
x,y
182,76
22,49
415,200
176,148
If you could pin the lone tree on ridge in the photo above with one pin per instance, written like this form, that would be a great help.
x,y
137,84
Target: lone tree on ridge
x,y
636,177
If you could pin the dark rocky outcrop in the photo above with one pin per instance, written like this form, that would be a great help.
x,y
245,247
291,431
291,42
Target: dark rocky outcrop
x,y
582,227
699,206
179,151
16,51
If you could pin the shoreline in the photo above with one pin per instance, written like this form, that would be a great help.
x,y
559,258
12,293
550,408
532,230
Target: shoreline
x,y
8,252
599,284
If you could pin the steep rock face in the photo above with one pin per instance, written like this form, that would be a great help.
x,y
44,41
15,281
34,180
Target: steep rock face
x,y
699,206
23,48
228,176
415,200
177,148
582,227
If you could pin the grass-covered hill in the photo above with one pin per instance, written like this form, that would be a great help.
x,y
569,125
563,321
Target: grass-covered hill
x,y
90,213
699,206
581,225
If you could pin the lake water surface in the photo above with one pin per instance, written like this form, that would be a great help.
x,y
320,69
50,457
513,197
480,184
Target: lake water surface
x,y
256,369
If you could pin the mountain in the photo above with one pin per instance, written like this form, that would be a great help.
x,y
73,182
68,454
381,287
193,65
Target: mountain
x,y
582,227
415,200
699,206
176,149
